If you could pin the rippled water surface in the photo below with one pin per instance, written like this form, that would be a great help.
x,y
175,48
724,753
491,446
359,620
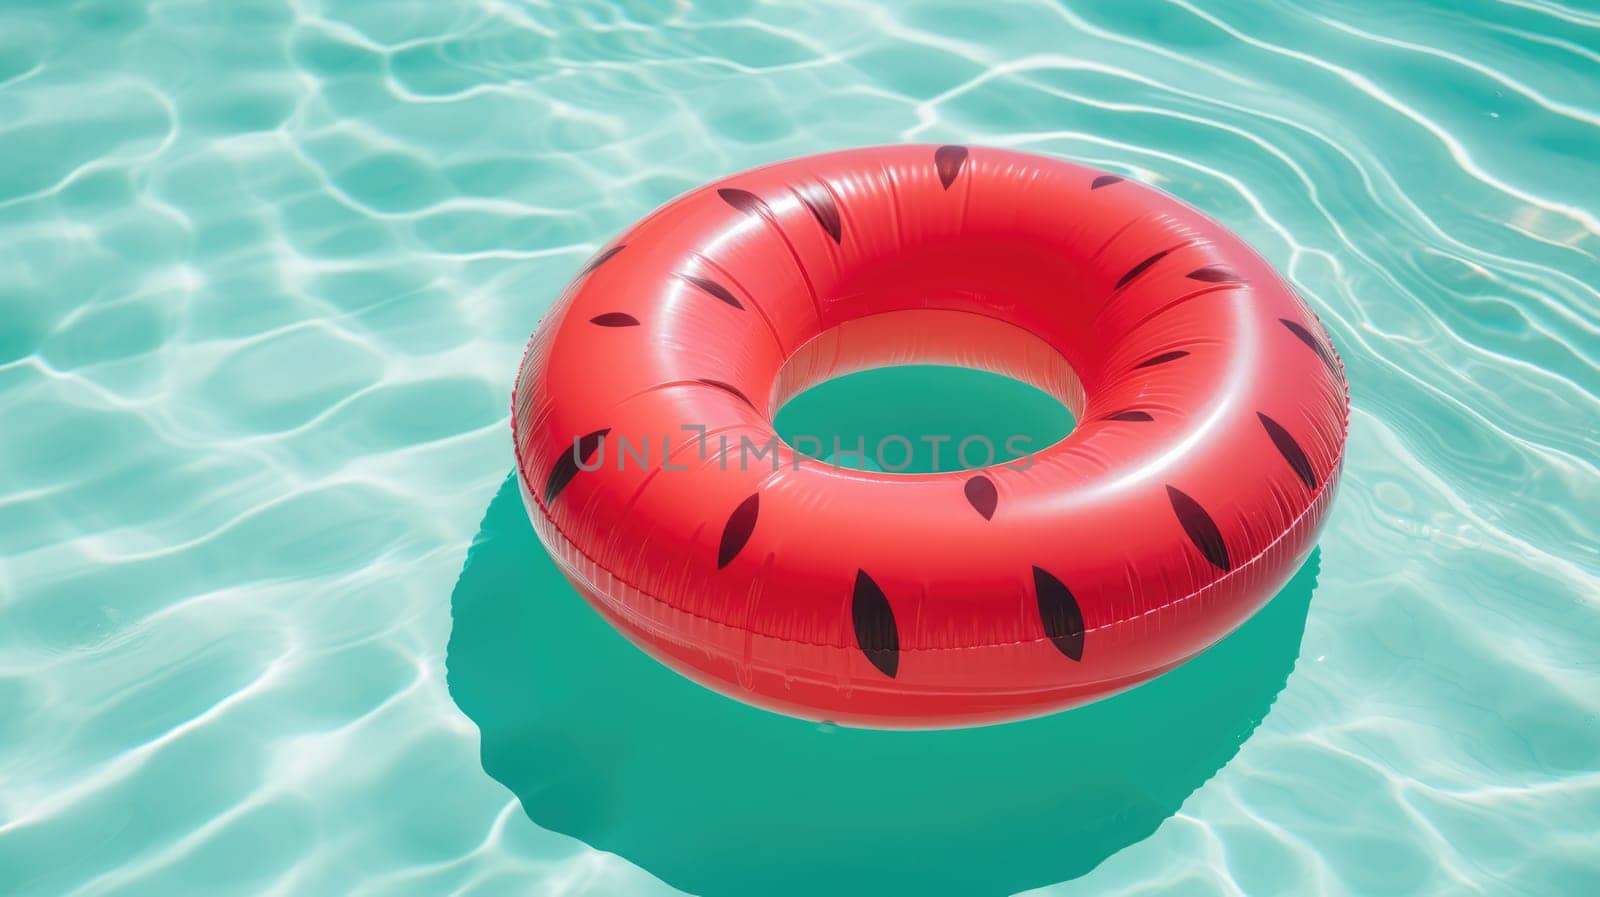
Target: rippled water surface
x,y
266,269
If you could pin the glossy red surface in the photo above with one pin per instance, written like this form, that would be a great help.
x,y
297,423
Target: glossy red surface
x,y
1211,411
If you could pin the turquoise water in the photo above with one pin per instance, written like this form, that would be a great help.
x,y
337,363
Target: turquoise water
x,y
266,270
860,420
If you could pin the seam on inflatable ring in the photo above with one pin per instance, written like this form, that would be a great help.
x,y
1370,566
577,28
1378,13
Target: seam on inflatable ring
x,y
1238,570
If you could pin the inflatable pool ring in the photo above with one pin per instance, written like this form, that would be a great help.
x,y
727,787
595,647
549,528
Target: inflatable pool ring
x,y
1211,414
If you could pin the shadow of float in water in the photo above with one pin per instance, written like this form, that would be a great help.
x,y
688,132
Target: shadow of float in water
x,y
600,742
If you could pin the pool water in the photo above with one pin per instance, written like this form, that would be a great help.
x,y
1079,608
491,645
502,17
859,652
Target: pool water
x,y
271,621
922,418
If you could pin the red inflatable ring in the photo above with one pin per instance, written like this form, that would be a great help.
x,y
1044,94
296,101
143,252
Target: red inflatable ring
x,y
1211,413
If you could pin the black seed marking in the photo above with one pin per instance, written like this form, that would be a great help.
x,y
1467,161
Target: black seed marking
x,y
1216,274
602,258
1059,612
714,288
982,496
743,200
948,161
1305,336
730,389
1201,528
876,632
567,465
1140,269
1163,358
615,319
1290,450
820,201
738,529
1105,180
1130,414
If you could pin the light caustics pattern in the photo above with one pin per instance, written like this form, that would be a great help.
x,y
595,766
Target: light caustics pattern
x,y
266,269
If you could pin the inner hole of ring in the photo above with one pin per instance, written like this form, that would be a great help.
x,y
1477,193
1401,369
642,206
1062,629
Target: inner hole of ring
x,y
925,391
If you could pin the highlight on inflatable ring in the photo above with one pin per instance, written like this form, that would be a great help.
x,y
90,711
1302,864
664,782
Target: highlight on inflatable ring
x,y
1211,407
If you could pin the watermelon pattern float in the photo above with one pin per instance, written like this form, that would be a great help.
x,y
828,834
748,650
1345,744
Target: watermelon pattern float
x,y
1212,413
